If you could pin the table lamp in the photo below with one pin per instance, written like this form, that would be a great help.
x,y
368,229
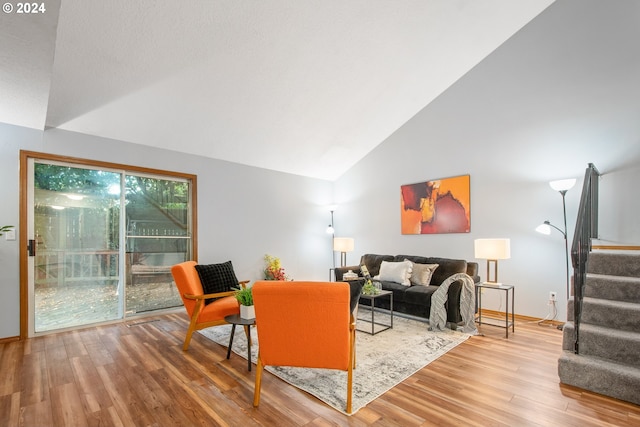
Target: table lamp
x,y
343,245
492,250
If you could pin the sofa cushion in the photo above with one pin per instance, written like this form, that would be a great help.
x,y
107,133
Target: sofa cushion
x,y
446,266
373,261
420,295
421,274
398,272
398,290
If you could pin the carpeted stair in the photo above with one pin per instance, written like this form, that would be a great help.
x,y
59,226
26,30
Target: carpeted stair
x,y
609,359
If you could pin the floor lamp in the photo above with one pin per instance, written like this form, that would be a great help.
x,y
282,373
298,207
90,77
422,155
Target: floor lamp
x,y
561,186
332,232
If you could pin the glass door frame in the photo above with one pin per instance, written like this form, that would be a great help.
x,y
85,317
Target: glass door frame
x,y
25,228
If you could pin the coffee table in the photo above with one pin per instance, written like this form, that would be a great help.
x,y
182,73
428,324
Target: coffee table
x,y
372,299
235,319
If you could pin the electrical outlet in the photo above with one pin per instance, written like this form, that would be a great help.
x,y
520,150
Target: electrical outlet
x,y
553,296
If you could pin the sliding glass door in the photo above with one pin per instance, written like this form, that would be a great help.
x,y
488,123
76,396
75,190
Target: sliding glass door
x,y
102,242
157,237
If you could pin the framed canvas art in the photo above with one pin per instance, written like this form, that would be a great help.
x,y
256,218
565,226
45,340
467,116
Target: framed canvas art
x,y
436,206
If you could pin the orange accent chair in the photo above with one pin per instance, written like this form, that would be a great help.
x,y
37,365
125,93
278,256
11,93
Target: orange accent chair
x,y
202,316
304,324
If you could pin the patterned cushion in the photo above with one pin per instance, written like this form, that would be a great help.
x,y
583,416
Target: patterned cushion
x,y
217,278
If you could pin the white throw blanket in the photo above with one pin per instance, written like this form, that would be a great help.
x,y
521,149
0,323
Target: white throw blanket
x,y
438,313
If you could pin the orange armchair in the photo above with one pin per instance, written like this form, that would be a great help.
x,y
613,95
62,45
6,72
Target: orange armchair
x,y
201,315
304,324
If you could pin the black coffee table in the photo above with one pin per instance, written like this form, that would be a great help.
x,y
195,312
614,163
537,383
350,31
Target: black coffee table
x,y
235,319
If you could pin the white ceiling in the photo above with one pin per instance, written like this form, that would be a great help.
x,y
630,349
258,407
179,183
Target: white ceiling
x,y
304,87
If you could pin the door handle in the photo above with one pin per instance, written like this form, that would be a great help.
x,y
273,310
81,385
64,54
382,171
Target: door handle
x,y
31,247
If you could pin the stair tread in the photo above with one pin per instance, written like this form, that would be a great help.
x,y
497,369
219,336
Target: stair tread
x,y
629,279
612,303
605,330
617,288
628,369
622,264
615,379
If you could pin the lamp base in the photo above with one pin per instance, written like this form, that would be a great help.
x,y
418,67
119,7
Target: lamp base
x,y
492,284
495,270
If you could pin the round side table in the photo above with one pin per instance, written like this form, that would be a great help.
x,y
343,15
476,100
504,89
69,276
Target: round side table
x,y
235,319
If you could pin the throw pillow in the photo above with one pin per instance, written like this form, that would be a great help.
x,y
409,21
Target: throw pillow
x,y
398,272
217,278
421,274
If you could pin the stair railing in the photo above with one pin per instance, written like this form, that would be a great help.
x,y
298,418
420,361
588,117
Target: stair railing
x,y
586,229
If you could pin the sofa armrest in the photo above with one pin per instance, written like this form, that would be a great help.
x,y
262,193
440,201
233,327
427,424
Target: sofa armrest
x,y
472,271
339,271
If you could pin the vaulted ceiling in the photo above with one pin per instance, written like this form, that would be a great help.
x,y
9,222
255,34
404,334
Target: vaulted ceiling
x,y
304,87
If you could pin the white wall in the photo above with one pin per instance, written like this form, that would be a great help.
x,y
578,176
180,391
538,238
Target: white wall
x,y
243,212
562,93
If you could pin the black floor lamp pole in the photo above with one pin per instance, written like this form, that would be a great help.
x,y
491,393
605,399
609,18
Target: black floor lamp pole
x,y
561,186
566,239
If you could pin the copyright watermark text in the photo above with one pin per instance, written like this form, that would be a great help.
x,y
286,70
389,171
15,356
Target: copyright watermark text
x,y
24,8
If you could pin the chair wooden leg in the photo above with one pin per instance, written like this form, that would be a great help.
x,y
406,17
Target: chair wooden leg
x,y
192,324
187,339
349,388
352,366
353,349
258,383
352,328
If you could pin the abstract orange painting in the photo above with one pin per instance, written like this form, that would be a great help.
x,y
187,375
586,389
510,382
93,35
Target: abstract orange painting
x,y
436,206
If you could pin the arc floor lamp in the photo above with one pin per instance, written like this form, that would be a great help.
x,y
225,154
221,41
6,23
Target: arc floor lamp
x,y
561,186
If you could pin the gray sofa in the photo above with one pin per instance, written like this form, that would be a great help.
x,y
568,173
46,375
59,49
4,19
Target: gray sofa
x,y
416,299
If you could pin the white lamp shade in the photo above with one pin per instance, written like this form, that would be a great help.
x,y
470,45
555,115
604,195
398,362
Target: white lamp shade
x,y
492,248
343,244
563,184
544,229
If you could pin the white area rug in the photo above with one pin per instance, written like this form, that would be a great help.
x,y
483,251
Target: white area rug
x,y
382,360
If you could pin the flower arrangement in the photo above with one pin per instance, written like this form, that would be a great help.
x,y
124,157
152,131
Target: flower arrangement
x,y
274,270
369,288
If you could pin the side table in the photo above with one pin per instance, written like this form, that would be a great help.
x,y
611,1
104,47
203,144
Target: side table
x,y
499,287
372,299
235,319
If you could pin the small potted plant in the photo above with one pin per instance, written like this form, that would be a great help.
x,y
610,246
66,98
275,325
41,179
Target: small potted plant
x,y
245,299
5,228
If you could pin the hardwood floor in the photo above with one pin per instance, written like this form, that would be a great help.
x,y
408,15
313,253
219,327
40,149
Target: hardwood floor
x,y
136,374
